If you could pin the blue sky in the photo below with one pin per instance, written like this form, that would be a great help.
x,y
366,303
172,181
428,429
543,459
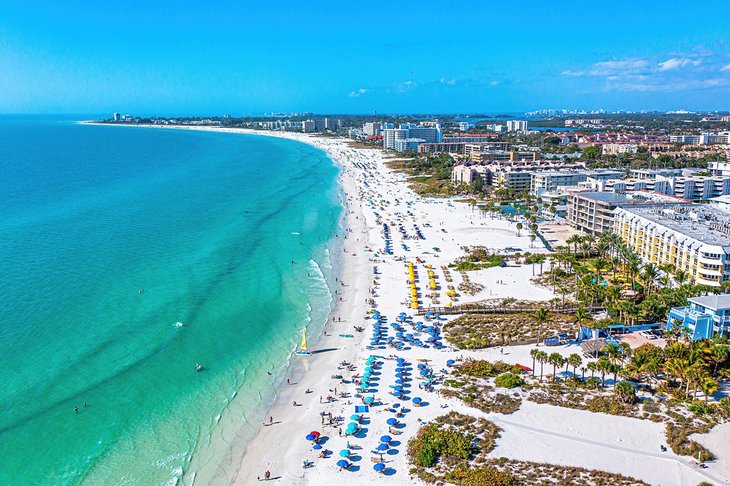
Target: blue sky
x,y
238,57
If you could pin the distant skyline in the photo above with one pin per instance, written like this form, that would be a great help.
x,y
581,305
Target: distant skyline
x,y
187,58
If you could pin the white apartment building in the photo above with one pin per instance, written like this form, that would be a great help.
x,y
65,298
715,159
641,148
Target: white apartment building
x,y
619,148
371,129
516,125
692,238
391,135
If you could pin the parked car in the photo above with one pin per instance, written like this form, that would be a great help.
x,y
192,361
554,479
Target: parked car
x,y
648,334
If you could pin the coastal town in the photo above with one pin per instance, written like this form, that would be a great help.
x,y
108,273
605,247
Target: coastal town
x,y
537,300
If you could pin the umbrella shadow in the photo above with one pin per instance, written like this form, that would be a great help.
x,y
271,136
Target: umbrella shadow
x,y
392,452
353,468
394,443
362,433
325,350
323,440
388,471
355,458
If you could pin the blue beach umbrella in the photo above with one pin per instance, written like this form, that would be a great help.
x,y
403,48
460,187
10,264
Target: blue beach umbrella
x,y
379,467
344,453
354,416
316,447
343,463
383,447
424,372
311,437
416,400
391,421
397,394
385,439
369,399
450,362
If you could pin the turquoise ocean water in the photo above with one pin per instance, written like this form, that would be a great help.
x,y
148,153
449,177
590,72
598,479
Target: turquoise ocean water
x,y
207,224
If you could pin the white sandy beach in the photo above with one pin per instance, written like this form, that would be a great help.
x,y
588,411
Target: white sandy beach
x,y
541,433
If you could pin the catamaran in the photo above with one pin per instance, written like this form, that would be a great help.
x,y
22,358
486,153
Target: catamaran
x,y
302,351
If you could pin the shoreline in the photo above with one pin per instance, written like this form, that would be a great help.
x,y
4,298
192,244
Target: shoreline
x,y
540,433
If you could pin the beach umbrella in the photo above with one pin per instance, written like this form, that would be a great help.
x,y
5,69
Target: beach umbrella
x,y
391,421
311,437
450,362
383,447
344,453
396,405
421,366
416,400
369,399
343,463
316,447
379,467
400,381
354,416
397,394
424,372
385,439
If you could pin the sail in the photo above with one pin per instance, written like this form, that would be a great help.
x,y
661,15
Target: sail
x,y
303,346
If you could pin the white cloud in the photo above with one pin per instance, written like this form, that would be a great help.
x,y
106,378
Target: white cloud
x,y
357,92
610,68
678,62
725,68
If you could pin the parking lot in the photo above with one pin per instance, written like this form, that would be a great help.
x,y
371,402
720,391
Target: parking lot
x,y
636,339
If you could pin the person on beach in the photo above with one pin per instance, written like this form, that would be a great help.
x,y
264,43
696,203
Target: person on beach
x,y
271,420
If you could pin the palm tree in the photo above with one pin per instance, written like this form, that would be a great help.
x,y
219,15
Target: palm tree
x,y
519,228
583,372
542,358
592,367
574,240
540,317
603,366
575,361
556,360
626,392
649,274
633,264
563,291
709,386
581,317
534,352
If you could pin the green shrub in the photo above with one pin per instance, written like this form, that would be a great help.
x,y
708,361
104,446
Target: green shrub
x,y
509,380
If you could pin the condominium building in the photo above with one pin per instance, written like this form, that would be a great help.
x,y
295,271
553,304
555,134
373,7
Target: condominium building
x,y
308,126
685,139
549,181
473,150
442,147
372,129
518,181
593,212
619,148
516,125
430,134
692,238
390,135
408,144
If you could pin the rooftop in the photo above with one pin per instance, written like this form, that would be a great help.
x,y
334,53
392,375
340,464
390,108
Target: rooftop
x,y
704,223
714,302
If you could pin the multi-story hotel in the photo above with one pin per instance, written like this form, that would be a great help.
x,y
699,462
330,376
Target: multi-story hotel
x,y
593,212
692,238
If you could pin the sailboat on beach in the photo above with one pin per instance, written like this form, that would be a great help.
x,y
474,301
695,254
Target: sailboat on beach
x,y
302,351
